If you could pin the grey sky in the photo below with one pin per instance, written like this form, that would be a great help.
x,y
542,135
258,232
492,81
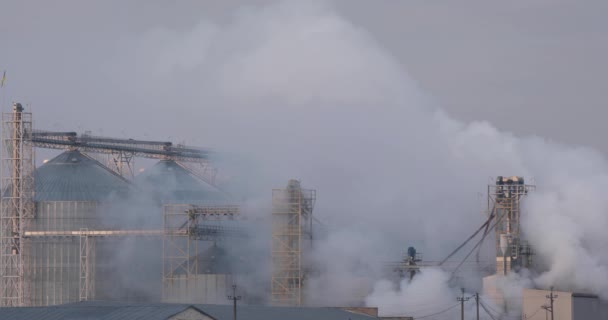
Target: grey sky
x,y
531,67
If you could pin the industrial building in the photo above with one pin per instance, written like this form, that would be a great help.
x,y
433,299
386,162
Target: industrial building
x,y
66,200
82,228
513,254
79,228
538,305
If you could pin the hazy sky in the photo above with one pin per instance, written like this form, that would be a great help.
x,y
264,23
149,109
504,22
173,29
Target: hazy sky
x,y
330,94
531,67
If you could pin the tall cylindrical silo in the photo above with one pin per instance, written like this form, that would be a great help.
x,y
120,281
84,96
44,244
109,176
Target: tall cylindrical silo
x,y
70,192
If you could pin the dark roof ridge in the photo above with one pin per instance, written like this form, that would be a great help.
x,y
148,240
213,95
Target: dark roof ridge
x,y
105,167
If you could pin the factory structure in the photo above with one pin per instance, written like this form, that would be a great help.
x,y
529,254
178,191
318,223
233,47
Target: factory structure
x,y
81,227
513,254
75,228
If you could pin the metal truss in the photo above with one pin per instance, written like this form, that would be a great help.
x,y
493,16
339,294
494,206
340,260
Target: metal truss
x,y
291,239
121,148
505,197
184,227
87,266
17,206
123,163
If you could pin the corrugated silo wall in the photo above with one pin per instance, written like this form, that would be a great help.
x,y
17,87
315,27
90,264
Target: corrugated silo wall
x,y
53,263
122,268
128,269
199,288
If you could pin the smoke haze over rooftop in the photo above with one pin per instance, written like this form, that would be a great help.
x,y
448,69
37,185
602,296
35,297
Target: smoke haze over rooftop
x,y
397,113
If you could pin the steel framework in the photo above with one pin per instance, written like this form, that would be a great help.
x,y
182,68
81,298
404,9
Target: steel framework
x,y
87,240
87,266
23,239
129,147
201,169
123,163
505,197
184,227
291,238
121,153
17,206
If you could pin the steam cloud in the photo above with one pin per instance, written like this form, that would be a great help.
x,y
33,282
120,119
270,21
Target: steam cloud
x,y
300,92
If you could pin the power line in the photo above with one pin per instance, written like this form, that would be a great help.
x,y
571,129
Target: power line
x,y
462,300
489,305
424,308
551,298
535,312
484,225
437,313
487,311
477,304
498,314
234,299
496,221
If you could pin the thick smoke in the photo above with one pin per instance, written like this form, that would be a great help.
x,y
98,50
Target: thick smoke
x,y
428,294
299,92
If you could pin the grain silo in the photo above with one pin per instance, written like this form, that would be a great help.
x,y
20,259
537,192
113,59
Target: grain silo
x,y
170,182
75,230
72,192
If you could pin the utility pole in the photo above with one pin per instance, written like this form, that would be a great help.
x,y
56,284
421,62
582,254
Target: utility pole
x,y
477,303
462,300
551,298
234,299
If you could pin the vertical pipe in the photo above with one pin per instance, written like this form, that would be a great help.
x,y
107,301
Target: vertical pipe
x,y
504,263
16,169
299,217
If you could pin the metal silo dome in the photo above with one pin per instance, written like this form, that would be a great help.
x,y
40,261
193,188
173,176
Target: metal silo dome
x,y
73,176
170,182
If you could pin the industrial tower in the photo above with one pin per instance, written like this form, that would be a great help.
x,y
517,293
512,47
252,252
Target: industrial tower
x,y
17,203
504,202
184,227
291,239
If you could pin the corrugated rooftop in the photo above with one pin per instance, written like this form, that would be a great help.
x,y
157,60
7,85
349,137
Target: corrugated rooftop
x,y
162,311
172,183
73,176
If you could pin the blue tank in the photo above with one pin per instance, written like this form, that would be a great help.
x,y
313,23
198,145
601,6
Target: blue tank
x,y
411,252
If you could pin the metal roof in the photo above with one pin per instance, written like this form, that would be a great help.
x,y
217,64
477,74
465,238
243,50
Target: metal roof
x,y
161,311
73,176
172,183
224,312
87,311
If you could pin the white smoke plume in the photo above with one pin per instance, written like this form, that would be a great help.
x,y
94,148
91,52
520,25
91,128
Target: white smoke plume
x,y
299,92
428,294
